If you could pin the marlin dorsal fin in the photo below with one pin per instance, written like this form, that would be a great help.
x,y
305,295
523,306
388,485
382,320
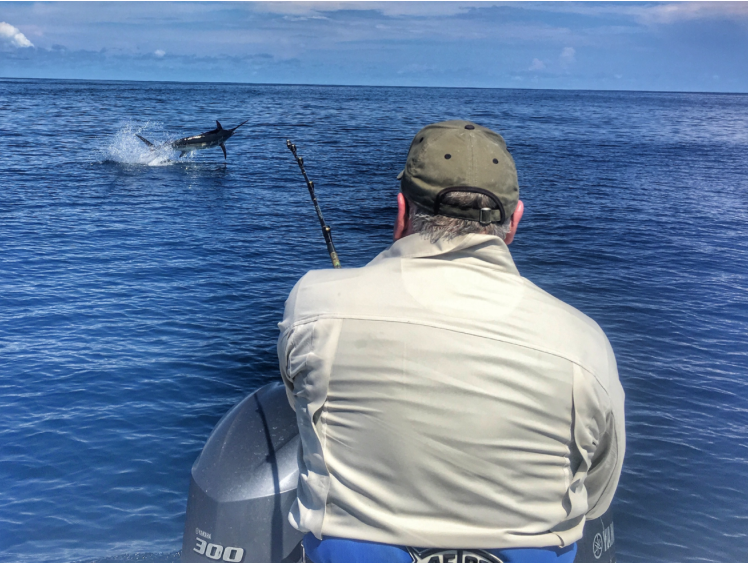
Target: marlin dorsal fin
x,y
218,124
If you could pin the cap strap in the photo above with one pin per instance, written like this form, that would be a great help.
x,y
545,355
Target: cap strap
x,y
481,215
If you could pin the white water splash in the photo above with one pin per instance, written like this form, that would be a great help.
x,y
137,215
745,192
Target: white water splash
x,y
126,148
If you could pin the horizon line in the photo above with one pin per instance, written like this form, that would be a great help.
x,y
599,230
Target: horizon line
x,y
730,93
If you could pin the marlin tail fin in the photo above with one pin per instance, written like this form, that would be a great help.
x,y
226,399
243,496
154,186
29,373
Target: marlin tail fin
x,y
146,141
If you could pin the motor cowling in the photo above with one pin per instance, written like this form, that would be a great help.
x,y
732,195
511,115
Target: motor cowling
x,y
243,484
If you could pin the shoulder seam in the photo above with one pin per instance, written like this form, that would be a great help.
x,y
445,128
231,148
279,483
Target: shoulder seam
x,y
447,328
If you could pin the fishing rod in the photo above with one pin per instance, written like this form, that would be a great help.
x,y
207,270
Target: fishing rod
x,y
326,230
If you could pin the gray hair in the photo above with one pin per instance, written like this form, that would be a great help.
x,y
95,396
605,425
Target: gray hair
x,y
435,227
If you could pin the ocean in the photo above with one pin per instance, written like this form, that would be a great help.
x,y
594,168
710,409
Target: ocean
x,y
139,296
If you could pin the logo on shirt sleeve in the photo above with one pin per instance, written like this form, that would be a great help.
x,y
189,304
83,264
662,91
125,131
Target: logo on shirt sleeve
x,y
452,556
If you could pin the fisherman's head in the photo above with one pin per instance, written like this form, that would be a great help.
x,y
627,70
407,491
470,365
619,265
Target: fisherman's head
x,y
459,178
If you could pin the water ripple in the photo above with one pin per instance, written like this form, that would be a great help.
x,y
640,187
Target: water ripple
x,y
138,303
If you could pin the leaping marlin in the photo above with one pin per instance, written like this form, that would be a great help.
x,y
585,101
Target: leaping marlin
x,y
215,138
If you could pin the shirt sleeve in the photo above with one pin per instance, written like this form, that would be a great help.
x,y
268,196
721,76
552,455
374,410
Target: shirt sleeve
x,y
306,349
599,433
288,337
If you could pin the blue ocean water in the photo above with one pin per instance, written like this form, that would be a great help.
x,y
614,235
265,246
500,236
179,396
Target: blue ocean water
x,y
139,296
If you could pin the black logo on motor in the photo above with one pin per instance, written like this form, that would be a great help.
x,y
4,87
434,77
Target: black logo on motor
x,y
603,541
597,546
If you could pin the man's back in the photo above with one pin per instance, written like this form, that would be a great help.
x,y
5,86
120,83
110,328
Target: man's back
x,y
444,401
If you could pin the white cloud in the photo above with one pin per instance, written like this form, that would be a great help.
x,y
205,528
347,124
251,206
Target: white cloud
x,y
393,9
11,35
159,53
646,13
537,64
672,12
567,56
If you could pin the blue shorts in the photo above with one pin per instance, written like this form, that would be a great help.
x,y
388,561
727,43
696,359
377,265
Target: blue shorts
x,y
341,550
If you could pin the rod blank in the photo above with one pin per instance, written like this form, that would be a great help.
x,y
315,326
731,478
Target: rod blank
x,y
326,230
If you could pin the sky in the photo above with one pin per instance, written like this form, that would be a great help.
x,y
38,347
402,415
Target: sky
x,y
659,46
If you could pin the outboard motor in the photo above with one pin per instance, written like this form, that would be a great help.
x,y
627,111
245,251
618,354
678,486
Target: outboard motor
x,y
244,483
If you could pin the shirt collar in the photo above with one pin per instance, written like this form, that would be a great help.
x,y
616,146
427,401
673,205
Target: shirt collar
x,y
485,248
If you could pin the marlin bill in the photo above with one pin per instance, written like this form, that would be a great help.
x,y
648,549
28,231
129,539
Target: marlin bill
x,y
215,138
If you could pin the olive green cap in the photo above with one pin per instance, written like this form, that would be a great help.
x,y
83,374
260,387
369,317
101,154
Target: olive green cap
x,y
460,156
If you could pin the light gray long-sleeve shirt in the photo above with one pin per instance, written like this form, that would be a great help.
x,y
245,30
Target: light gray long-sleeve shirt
x,y
445,401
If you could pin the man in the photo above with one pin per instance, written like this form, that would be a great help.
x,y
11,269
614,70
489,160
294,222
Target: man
x,y
449,409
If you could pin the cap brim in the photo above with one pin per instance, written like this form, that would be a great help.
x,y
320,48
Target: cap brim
x,y
400,176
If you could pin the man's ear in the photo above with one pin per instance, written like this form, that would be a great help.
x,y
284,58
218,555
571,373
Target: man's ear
x,y
402,223
516,218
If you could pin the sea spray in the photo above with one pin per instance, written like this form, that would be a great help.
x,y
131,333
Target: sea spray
x,y
126,148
